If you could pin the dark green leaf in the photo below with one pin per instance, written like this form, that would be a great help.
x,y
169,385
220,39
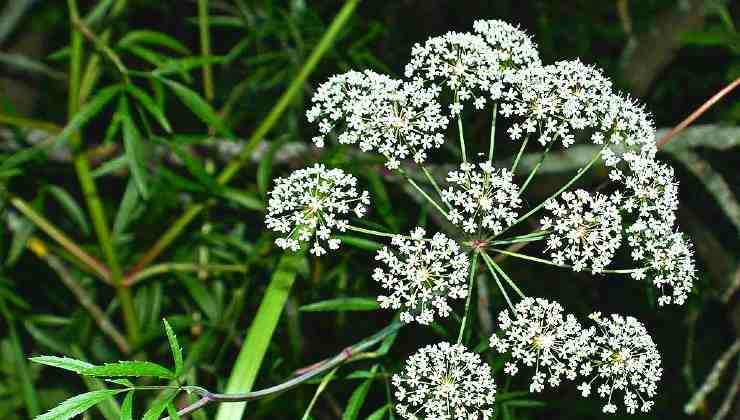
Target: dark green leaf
x,y
158,407
153,38
22,232
110,166
77,405
343,304
130,368
185,64
71,206
135,154
172,411
358,398
198,106
245,199
150,105
175,347
126,208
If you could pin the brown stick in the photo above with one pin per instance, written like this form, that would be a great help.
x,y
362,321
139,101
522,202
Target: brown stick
x,y
699,111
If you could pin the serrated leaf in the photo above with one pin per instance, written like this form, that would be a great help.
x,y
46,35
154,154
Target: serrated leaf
x,y
153,38
150,105
158,407
127,408
358,398
135,155
67,363
70,205
198,106
77,405
130,368
343,304
175,347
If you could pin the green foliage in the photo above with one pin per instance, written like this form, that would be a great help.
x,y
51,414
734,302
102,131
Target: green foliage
x,y
181,177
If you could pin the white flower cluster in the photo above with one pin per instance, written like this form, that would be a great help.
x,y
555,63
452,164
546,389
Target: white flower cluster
x,y
422,275
617,355
622,357
395,118
652,200
514,48
481,198
586,229
314,202
540,335
445,382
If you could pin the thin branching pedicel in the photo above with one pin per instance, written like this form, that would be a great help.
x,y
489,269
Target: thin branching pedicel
x,y
314,202
445,381
422,275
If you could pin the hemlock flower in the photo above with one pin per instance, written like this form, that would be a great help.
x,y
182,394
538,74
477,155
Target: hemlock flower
x,y
622,358
445,381
540,334
483,198
514,47
586,229
313,203
462,62
398,119
422,275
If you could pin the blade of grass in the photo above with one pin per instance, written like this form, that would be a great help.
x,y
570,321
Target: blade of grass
x,y
260,333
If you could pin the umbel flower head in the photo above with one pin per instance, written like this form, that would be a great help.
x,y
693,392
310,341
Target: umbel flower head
x,y
482,199
422,275
622,359
586,229
398,119
540,335
312,203
445,381
514,48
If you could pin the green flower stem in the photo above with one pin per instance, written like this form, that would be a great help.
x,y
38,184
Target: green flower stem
x,y
535,169
519,155
518,239
503,274
567,185
462,137
372,232
423,193
184,267
548,262
57,235
257,136
354,352
205,48
430,177
493,132
87,184
498,283
473,269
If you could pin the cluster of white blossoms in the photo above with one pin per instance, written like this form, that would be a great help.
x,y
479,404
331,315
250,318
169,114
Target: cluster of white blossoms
x,y
482,198
313,203
586,229
398,119
617,355
444,381
540,335
622,357
422,275
405,119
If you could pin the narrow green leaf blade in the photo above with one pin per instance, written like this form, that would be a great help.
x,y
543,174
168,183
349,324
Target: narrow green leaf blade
x,y
130,368
343,304
67,363
158,407
134,151
172,411
127,408
153,38
150,105
198,106
71,206
358,397
175,347
77,405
